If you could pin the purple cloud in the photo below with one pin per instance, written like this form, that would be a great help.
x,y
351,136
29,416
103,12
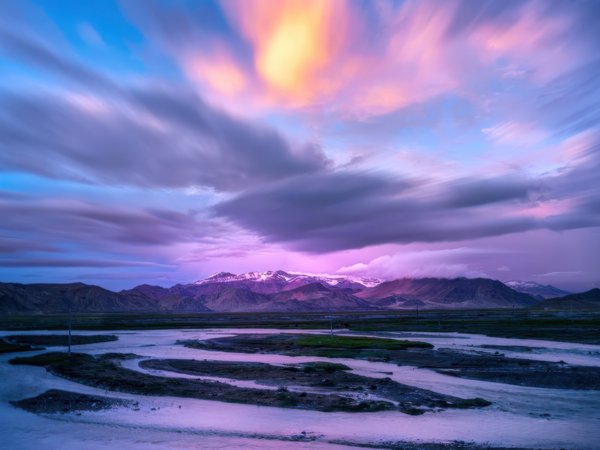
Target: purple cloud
x,y
349,210
157,138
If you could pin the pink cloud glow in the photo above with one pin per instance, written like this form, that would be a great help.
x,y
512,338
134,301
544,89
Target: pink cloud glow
x,y
310,54
219,71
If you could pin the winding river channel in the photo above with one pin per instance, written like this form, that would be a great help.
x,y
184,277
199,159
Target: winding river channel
x,y
518,417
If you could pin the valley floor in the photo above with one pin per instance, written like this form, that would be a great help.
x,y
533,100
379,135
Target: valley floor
x,y
568,326
518,417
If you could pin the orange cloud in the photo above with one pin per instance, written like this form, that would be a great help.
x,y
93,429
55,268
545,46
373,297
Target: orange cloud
x,y
295,44
331,55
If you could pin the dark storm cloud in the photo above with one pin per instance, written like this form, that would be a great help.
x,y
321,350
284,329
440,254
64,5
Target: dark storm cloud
x,y
160,139
25,262
11,245
238,153
475,192
344,210
152,136
97,225
334,211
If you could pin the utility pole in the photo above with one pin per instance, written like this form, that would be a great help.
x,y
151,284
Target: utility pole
x,y
330,318
70,324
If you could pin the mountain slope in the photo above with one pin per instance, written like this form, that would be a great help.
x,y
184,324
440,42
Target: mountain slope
x,y
449,293
319,297
263,291
58,298
538,290
273,281
589,300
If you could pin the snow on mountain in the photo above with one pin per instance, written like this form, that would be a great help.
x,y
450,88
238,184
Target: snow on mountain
x,y
447,293
337,280
536,289
522,284
291,280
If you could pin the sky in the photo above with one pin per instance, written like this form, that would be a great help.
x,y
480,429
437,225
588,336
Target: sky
x,y
159,142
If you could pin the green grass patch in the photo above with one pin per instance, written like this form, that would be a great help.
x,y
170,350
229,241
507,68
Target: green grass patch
x,y
323,366
102,372
355,342
55,340
576,326
45,359
10,347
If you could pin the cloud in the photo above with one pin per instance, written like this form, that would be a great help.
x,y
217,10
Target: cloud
x,y
90,35
147,137
340,210
55,222
152,135
24,48
363,59
294,44
345,210
559,274
488,110
513,133
219,71
446,263
22,262
468,192
13,245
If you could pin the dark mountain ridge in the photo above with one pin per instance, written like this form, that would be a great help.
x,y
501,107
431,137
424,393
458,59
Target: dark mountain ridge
x,y
79,297
453,293
538,290
266,291
589,300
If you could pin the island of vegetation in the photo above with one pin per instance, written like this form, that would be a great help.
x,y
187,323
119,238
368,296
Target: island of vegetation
x,y
28,342
486,366
105,371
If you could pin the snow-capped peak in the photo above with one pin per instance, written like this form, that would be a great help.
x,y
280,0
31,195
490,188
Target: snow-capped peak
x,y
335,280
224,277
523,284
536,289
290,277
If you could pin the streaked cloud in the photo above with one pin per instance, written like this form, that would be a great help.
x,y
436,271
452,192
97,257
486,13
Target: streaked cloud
x,y
309,135
344,209
445,263
512,133
362,59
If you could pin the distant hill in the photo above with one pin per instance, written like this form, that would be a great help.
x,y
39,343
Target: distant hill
x,y
449,293
589,300
57,298
319,297
265,291
538,290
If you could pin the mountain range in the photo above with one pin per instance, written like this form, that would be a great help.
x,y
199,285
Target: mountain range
x,y
270,291
538,290
589,300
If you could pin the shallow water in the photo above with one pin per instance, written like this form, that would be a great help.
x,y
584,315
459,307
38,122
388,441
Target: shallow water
x,y
515,418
